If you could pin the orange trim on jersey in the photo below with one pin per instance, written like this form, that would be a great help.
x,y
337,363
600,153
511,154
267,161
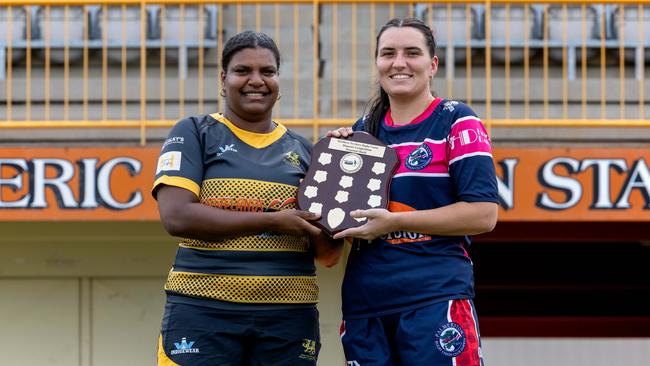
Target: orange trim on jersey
x,y
163,359
394,206
403,241
181,182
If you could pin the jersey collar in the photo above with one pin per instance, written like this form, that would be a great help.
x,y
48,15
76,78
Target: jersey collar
x,y
256,140
388,120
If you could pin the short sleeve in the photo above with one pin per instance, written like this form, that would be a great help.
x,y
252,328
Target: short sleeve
x,y
359,125
469,155
180,163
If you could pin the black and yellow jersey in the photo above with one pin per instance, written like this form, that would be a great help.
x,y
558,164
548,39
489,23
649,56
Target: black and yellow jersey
x,y
233,169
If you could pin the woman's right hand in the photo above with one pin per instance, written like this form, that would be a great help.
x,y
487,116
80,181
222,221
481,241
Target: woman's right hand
x,y
340,132
295,222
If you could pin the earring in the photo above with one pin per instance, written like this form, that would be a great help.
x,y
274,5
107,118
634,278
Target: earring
x,y
222,92
279,96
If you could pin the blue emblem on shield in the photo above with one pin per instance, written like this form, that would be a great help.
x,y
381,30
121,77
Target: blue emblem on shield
x,y
419,158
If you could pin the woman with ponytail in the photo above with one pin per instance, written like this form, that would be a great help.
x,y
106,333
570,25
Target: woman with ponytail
x,y
408,287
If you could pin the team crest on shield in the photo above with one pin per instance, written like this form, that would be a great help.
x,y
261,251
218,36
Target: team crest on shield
x,y
450,339
419,158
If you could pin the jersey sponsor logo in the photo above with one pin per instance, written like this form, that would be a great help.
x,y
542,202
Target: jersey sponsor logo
x,y
249,204
450,339
401,237
467,137
174,140
309,350
292,158
450,105
352,363
184,347
419,158
225,148
169,161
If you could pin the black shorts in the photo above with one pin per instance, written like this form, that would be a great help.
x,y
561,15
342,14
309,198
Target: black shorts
x,y
196,336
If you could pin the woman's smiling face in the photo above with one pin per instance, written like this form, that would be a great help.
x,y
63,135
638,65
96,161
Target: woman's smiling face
x,y
403,61
251,83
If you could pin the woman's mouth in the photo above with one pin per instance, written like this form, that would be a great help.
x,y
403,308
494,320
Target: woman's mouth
x,y
400,76
254,94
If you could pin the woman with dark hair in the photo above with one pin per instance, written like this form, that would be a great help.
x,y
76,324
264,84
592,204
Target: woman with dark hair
x,y
408,286
242,290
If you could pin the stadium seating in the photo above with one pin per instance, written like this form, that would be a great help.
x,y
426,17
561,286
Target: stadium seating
x,y
626,28
450,28
514,26
55,29
17,31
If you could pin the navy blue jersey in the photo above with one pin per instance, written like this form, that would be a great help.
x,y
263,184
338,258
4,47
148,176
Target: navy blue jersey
x,y
233,169
445,157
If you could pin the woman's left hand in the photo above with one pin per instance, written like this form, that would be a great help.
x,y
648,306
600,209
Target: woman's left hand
x,y
380,222
342,132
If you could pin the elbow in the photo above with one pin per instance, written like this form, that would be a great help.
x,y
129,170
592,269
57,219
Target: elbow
x,y
487,220
328,262
174,225
329,259
488,226
331,255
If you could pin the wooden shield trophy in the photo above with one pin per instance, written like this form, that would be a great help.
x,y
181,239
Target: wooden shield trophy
x,y
347,174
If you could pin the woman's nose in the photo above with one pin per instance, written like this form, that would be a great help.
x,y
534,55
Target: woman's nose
x,y
400,60
256,79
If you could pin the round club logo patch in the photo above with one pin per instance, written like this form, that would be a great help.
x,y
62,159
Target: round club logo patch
x,y
450,339
419,158
351,163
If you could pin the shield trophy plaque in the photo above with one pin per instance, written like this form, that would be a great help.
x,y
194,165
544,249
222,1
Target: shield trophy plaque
x,y
347,174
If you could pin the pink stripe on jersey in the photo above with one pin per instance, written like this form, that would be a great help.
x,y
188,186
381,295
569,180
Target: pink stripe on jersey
x,y
437,166
461,314
468,138
424,115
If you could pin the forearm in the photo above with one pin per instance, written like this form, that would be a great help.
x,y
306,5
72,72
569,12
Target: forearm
x,y
460,218
199,221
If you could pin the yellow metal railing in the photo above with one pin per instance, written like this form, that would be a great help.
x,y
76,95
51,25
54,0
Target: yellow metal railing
x,y
518,62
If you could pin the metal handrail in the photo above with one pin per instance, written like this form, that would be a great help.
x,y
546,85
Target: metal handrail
x,y
573,50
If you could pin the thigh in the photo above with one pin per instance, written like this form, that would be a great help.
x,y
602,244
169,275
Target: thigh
x,y
365,343
285,337
200,336
442,334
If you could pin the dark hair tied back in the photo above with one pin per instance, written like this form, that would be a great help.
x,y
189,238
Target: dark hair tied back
x,y
248,39
380,103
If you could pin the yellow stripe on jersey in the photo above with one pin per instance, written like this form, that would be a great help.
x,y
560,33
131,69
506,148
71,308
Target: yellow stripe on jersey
x,y
181,182
256,140
244,186
258,243
245,289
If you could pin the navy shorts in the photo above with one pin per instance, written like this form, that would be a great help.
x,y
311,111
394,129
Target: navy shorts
x,y
200,336
442,334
